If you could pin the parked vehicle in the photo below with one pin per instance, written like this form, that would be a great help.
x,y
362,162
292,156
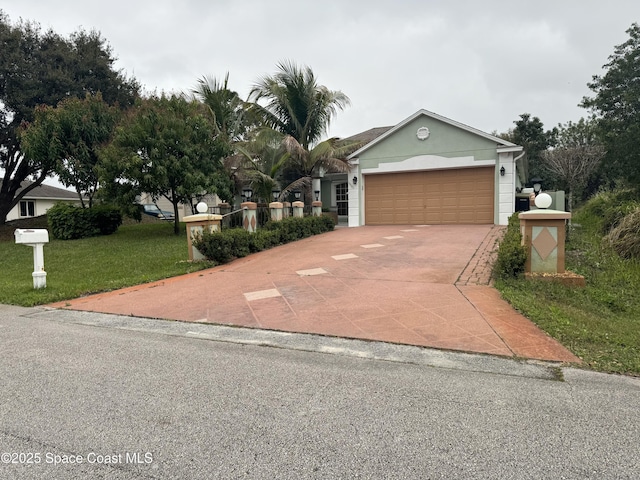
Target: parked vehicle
x,y
153,211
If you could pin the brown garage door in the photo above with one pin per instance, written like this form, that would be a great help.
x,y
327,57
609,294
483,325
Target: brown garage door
x,y
432,197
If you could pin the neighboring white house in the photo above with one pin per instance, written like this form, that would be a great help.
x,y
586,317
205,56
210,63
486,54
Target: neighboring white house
x,y
162,203
39,200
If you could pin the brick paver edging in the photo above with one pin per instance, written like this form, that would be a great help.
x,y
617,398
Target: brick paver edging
x,y
478,270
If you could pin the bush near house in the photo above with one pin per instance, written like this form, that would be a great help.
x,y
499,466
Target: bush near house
x,y
223,246
512,255
68,222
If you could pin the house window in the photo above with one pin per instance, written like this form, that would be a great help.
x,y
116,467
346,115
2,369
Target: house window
x,y
27,208
342,198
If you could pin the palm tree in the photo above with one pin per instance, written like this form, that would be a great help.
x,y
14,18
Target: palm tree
x,y
227,110
260,162
231,119
300,111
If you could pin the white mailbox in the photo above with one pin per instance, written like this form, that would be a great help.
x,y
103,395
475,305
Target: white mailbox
x,y
36,238
31,235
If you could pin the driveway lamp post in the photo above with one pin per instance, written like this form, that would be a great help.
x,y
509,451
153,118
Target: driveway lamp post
x,y
316,206
537,185
298,206
276,207
249,219
247,193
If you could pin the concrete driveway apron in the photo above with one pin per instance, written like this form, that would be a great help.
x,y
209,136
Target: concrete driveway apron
x,y
418,285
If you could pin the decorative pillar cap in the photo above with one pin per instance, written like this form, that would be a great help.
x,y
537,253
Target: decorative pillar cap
x,y
298,204
317,203
275,205
544,214
202,217
249,205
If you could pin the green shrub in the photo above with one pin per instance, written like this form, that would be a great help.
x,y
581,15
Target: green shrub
x,y
263,240
512,255
68,222
608,208
614,214
106,218
225,245
294,228
216,246
625,237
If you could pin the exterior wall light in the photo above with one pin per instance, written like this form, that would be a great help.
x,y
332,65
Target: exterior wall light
x,y
502,171
355,180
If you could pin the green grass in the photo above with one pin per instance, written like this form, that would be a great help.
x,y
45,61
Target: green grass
x,y
601,322
135,254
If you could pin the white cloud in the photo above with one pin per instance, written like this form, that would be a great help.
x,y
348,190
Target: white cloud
x,y
480,63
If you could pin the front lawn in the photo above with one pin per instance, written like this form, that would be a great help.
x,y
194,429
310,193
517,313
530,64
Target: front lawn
x,y
601,322
135,254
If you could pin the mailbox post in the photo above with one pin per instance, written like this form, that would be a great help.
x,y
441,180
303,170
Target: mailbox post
x,y
35,238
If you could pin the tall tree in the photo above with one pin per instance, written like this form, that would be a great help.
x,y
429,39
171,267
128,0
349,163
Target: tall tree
x,y
166,147
529,132
42,68
300,110
70,136
575,158
616,105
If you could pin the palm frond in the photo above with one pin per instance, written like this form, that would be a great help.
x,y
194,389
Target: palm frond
x,y
301,183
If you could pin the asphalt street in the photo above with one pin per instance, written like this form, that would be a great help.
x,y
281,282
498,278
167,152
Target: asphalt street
x,y
85,395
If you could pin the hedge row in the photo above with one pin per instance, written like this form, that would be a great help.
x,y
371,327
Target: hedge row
x,y
223,246
512,255
68,222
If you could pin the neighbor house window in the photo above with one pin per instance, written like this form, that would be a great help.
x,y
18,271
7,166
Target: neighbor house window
x,y
27,208
342,198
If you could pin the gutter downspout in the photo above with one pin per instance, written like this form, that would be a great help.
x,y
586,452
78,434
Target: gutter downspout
x,y
515,160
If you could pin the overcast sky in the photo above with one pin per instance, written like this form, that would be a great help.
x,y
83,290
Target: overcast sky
x,y
482,63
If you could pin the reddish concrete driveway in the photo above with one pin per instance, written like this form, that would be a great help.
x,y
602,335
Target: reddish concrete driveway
x,y
418,285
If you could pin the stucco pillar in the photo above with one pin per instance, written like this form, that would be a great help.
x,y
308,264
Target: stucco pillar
x,y
249,220
286,209
316,209
196,224
224,208
354,194
543,235
275,209
298,209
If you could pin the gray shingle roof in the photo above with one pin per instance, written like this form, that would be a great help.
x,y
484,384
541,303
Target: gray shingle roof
x,y
47,191
367,136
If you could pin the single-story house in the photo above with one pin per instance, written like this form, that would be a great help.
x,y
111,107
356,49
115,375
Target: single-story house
x,y
428,169
39,200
